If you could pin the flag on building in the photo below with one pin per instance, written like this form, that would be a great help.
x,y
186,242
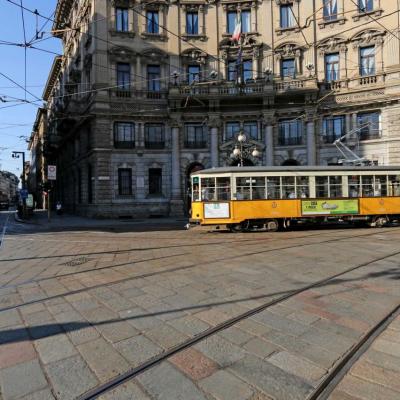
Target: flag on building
x,y
238,28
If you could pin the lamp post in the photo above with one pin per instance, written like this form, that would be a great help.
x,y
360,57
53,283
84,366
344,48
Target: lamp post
x,y
242,149
16,154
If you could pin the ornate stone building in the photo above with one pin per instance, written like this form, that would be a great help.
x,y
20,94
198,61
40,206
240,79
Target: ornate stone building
x,y
148,91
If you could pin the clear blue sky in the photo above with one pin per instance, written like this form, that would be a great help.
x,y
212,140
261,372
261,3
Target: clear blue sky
x,y
16,122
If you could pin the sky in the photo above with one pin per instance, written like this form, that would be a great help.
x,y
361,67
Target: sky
x,y
16,121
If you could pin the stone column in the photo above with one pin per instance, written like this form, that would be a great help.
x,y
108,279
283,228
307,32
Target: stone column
x,y
201,20
269,145
354,124
348,123
214,146
175,164
311,146
138,73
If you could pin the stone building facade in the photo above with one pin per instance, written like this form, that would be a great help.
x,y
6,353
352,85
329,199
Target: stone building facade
x,y
8,186
146,92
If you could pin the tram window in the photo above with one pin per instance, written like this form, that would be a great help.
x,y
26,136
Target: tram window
x,y
243,188
354,186
288,187
224,188
258,188
302,186
273,187
322,186
380,186
195,189
394,185
367,186
335,186
208,189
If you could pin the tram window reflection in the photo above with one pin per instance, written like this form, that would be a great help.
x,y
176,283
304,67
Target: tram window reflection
x,y
302,186
367,186
380,186
273,187
288,187
208,189
394,185
335,186
354,186
322,186
223,188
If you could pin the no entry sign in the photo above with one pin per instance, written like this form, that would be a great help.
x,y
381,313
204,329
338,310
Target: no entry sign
x,y
51,172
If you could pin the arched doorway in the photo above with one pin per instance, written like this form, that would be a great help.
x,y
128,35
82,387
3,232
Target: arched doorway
x,y
187,198
290,162
246,163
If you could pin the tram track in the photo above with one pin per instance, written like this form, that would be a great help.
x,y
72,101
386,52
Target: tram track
x,y
159,272
328,382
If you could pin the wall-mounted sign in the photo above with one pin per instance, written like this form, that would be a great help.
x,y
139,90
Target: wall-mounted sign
x,y
51,172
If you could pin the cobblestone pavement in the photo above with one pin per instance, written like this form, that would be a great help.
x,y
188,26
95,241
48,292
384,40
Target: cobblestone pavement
x,y
80,304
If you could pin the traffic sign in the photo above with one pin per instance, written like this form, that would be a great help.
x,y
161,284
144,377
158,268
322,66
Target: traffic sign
x,y
24,194
51,172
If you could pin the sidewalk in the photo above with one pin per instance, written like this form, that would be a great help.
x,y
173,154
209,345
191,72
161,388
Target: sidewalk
x,y
40,218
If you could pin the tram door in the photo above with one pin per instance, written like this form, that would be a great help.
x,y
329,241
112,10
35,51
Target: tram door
x,y
188,184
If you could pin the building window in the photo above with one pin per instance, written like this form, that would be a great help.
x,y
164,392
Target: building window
x,y
330,10
245,19
365,6
192,23
124,135
155,181
193,73
154,136
121,19
333,128
123,76
231,130
195,136
332,67
287,17
233,19
367,60
290,132
152,22
232,67
79,186
288,68
369,124
153,78
124,181
251,129
241,71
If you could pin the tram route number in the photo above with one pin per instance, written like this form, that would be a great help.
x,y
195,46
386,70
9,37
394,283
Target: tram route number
x,y
329,207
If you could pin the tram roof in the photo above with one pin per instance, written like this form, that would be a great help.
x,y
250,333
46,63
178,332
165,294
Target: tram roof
x,y
241,170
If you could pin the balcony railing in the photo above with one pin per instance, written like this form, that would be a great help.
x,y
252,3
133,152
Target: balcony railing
x,y
142,94
330,138
296,84
124,144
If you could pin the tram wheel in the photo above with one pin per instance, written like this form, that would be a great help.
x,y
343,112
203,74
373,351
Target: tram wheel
x,y
235,228
379,221
272,225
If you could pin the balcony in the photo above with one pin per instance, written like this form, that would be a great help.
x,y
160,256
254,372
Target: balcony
x,y
283,86
357,83
135,94
290,141
198,144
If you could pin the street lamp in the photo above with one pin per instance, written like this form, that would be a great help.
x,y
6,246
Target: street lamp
x,y
16,154
242,149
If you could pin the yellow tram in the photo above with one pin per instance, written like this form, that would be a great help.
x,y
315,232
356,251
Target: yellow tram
x,y
266,198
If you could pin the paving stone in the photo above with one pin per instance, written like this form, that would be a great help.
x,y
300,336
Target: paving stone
x,y
9,318
384,360
103,359
220,350
54,348
16,333
189,325
339,395
253,327
165,382
128,391
297,366
138,349
22,379
136,317
379,375
225,386
194,364
212,317
363,389
261,348
32,308
271,379
386,346
236,336
15,353
260,396
70,377
337,329
166,336
116,331
41,395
